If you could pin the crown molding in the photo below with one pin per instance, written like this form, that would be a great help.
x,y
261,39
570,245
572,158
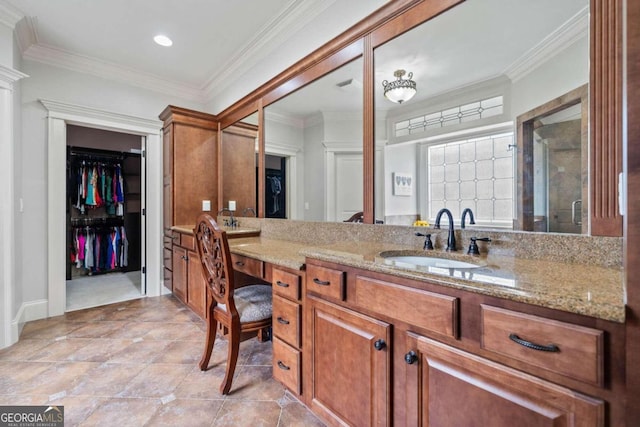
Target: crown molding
x,y
27,33
9,15
295,17
565,35
272,116
65,111
110,71
8,76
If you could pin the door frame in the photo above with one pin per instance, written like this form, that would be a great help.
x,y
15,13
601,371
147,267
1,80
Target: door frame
x,y
59,115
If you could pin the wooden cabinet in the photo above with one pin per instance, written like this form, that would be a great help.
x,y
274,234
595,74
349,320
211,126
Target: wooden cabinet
x,y
186,275
450,356
180,266
287,327
350,365
190,165
463,389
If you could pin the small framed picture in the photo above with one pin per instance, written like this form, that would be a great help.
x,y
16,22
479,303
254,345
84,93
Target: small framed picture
x,y
402,184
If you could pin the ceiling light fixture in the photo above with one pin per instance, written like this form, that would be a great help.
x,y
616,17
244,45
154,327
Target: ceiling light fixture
x,y
399,90
163,40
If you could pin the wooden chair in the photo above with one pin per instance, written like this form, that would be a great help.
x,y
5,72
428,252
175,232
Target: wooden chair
x,y
239,310
356,217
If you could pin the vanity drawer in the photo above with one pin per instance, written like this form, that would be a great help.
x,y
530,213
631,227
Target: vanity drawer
x,y
286,284
286,365
188,241
286,320
428,310
175,238
325,281
570,350
251,266
167,258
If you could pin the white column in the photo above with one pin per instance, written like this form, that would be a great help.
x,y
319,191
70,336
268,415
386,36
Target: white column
x,y
8,331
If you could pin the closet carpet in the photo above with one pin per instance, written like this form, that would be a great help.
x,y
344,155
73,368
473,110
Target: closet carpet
x,y
134,363
101,289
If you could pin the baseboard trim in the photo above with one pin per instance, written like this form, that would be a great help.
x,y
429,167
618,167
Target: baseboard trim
x,y
31,310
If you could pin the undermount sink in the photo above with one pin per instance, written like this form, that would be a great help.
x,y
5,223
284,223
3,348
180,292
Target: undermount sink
x,y
430,262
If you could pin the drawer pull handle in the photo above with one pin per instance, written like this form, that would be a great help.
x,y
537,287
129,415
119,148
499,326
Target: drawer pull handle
x,y
240,263
283,321
283,366
550,348
321,282
379,344
175,237
411,357
282,284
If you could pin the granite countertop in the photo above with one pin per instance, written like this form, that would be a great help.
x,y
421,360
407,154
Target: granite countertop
x,y
231,232
577,288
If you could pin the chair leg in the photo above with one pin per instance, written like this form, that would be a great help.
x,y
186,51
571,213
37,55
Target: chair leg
x,y
212,328
232,359
264,334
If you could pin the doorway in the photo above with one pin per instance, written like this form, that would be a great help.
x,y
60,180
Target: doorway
x,y
59,116
105,184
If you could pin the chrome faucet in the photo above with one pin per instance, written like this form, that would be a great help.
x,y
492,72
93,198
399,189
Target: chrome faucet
x,y
451,241
464,216
232,221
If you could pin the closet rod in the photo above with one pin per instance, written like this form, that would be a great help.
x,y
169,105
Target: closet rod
x,y
95,154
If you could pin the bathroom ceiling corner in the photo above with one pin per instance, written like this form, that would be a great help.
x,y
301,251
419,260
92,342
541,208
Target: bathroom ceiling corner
x,y
214,42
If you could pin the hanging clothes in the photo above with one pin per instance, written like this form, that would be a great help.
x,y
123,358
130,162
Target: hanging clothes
x,y
93,184
100,249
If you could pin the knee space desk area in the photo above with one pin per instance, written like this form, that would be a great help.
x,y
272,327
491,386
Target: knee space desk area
x,y
519,339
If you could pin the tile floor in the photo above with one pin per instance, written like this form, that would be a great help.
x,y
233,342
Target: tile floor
x,y
101,289
134,363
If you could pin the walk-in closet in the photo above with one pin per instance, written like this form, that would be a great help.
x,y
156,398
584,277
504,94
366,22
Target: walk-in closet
x,y
105,250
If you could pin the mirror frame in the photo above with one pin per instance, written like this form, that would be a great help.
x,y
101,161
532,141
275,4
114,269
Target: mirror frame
x,y
525,172
395,18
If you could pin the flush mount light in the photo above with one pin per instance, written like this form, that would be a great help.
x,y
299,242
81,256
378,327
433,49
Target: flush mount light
x,y
399,90
162,40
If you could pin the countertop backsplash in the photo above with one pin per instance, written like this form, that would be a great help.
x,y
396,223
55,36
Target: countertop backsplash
x,y
569,248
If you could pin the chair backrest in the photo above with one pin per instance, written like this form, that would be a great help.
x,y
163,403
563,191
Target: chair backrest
x,y
356,217
215,258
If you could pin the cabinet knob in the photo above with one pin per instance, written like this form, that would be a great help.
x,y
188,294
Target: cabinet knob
x,y
379,344
411,357
184,257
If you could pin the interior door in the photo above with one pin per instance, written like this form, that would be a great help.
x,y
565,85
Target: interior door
x,y
349,185
143,216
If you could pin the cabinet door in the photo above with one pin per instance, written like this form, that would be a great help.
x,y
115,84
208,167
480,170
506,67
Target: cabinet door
x,y
179,264
462,389
350,367
196,286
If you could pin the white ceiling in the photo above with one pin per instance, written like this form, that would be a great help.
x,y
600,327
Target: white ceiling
x,y
217,42
471,43
214,41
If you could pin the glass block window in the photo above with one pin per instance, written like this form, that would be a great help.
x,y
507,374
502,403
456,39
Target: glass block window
x,y
452,116
473,173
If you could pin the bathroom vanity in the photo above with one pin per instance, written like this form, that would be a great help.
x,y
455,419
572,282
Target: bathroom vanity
x,y
541,344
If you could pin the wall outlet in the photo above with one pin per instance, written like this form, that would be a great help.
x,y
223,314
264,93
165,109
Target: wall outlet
x,y
306,206
232,205
206,205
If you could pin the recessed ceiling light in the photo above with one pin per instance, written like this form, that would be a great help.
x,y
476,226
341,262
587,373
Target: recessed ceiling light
x,y
162,40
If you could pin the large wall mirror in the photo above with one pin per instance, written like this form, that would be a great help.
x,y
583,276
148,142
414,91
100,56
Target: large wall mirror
x,y
238,182
313,149
478,67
